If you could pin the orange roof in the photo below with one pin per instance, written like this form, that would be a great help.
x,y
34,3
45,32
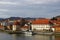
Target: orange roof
x,y
16,23
40,21
55,21
1,26
55,26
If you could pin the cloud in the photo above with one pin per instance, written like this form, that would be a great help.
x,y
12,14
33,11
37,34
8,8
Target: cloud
x,y
11,3
3,10
29,8
27,2
40,1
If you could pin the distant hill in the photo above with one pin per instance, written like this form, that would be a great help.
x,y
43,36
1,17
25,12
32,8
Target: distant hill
x,y
1,19
13,18
57,16
18,18
28,18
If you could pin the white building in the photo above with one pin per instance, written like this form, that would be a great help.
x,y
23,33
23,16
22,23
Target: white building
x,y
40,24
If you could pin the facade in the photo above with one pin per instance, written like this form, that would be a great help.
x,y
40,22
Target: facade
x,y
40,24
16,26
56,25
56,28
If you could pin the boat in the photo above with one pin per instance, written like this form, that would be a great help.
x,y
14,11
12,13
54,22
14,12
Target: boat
x,y
44,33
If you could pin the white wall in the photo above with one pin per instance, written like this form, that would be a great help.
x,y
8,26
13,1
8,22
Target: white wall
x,y
40,26
14,28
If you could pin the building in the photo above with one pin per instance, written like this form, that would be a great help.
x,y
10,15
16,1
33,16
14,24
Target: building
x,y
40,24
16,25
56,27
56,24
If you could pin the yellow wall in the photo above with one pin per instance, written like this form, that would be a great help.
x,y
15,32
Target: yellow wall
x,y
57,29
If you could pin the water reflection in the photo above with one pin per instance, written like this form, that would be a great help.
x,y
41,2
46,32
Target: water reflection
x,y
52,37
44,37
35,37
5,36
21,37
57,37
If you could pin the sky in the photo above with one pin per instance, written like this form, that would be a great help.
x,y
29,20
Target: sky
x,y
29,8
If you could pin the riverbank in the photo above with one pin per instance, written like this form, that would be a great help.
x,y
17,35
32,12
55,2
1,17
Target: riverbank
x,y
33,32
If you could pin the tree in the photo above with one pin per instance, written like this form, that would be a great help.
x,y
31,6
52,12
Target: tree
x,y
54,18
23,22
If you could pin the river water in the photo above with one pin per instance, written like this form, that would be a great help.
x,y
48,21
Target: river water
x,y
6,36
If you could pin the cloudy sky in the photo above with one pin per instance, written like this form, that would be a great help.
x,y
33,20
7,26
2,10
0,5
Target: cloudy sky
x,y
29,8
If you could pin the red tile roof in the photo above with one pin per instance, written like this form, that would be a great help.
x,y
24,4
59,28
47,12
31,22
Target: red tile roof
x,y
57,22
1,26
16,23
56,26
40,21
54,21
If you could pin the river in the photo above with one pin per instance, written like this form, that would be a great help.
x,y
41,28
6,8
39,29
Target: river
x,y
6,36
